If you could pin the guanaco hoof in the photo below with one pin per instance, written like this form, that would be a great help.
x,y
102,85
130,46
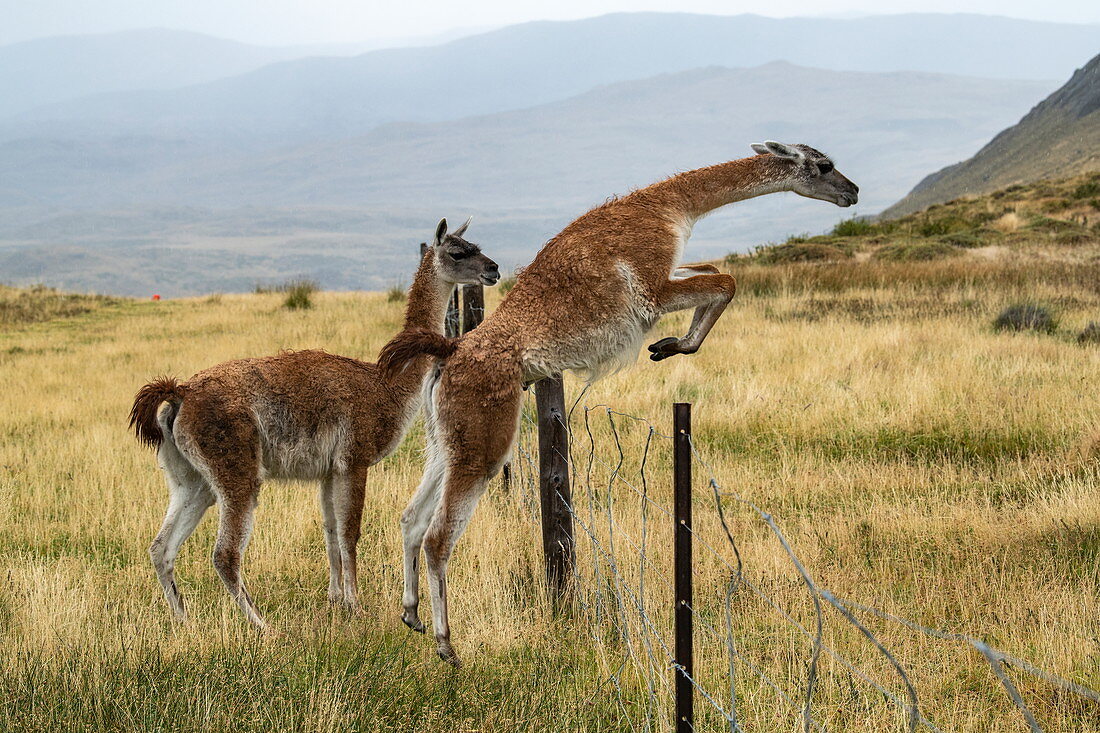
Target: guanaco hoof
x,y
416,624
664,348
447,654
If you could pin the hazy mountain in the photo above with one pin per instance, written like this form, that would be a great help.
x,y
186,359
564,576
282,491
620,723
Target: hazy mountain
x,y
350,212
534,63
1058,138
42,71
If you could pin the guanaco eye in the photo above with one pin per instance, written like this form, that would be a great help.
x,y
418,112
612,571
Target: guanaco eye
x,y
459,255
824,168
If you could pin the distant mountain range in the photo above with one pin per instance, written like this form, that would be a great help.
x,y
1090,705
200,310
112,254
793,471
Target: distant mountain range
x,y
1060,137
534,63
334,168
63,68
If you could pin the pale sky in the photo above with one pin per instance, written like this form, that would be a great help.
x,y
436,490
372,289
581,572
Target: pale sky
x,y
284,22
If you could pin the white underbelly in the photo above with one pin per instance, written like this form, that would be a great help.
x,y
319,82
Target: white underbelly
x,y
598,349
593,353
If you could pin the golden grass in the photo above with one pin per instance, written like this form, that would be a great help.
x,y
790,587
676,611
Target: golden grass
x,y
918,461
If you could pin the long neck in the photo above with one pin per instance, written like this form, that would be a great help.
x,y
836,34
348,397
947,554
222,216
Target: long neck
x,y
703,190
429,296
426,308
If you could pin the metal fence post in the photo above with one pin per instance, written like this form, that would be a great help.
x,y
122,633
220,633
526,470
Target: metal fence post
x,y
554,490
685,702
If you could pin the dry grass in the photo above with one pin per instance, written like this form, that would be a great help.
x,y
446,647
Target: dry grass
x,y
32,305
919,461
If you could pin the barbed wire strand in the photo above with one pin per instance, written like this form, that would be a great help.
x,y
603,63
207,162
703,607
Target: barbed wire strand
x,y
614,527
816,638
993,657
621,591
816,595
616,473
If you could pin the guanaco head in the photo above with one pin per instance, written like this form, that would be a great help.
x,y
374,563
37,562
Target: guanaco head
x,y
810,173
461,262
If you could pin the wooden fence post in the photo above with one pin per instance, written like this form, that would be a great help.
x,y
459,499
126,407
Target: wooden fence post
x,y
681,459
554,489
452,323
473,306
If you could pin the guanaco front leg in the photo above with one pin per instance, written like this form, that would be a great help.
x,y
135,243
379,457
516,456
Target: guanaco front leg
x,y
685,271
348,490
708,293
332,542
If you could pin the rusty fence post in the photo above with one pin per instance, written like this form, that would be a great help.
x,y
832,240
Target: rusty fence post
x,y
681,509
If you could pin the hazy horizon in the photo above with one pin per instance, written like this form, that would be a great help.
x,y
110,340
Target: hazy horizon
x,y
343,22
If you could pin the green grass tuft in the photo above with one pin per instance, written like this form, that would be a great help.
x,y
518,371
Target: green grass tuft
x,y
1026,317
854,227
299,294
916,251
396,294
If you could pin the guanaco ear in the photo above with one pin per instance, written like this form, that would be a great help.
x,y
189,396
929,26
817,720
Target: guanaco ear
x,y
782,150
760,148
440,232
462,229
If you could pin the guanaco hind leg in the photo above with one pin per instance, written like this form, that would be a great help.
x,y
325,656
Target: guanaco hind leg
x,y
414,524
486,416
460,496
189,498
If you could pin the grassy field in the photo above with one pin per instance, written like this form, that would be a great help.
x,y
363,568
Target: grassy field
x,y
919,461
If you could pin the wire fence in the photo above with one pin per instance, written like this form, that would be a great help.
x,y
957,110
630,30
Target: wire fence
x,y
774,649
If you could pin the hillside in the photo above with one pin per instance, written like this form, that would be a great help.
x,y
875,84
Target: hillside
x,y
1056,219
1059,137
135,215
534,63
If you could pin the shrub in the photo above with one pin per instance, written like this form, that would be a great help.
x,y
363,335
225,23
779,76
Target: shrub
x,y
1046,224
946,225
916,251
1090,334
854,227
1087,190
1025,317
507,283
396,293
299,294
1073,237
969,239
780,254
